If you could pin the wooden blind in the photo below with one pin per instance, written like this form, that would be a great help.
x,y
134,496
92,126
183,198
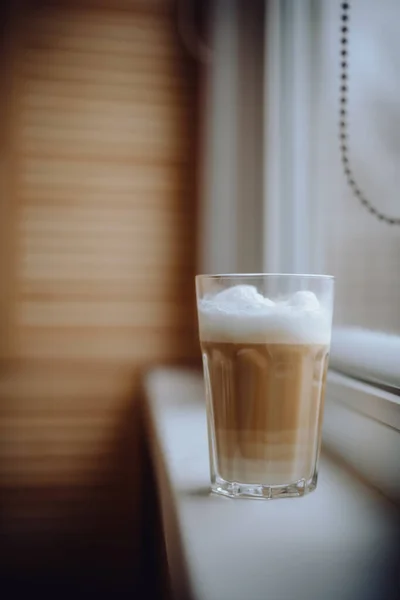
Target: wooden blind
x,y
101,222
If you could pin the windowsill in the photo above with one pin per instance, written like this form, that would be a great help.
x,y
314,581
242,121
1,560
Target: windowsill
x,y
367,355
334,543
362,426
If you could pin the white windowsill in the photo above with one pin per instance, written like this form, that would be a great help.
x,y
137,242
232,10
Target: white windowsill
x,y
337,542
362,426
367,355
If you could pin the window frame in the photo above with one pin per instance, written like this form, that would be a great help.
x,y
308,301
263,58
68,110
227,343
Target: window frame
x,y
290,214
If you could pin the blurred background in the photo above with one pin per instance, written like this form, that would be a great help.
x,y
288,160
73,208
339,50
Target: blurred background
x,y
143,141
99,141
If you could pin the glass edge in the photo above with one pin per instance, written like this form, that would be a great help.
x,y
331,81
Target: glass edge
x,y
253,275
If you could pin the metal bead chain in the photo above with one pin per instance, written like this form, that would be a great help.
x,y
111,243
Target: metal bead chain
x,y
343,120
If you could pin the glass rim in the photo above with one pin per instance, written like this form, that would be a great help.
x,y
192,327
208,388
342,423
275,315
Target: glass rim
x,y
254,275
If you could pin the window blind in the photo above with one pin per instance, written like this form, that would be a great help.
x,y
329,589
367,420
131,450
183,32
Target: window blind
x,y
99,220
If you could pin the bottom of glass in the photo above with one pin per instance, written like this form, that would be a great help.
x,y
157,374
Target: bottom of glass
x,y
258,491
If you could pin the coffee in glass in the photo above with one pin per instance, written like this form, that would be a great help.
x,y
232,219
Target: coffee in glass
x,y
265,346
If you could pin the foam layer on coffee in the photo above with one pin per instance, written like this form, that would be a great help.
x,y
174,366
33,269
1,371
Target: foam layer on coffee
x,y
241,314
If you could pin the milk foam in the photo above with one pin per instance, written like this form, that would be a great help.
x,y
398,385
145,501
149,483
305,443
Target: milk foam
x,y
241,314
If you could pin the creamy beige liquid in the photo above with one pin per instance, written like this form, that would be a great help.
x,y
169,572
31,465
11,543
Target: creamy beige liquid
x,y
266,404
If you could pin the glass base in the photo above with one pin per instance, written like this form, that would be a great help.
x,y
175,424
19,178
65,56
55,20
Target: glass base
x,y
263,492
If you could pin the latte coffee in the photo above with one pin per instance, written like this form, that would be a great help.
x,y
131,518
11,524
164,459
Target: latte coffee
x,y
266,403
265,370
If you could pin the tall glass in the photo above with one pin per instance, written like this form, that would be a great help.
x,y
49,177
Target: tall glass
x,y
265,344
